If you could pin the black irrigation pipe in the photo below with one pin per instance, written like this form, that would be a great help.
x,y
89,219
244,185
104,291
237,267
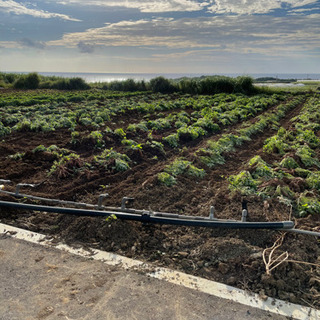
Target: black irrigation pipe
x,y
151,218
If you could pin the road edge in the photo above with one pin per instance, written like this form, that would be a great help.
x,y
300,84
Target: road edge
x,y
210,287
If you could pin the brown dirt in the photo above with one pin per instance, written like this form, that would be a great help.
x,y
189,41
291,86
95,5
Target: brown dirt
x,y
230,256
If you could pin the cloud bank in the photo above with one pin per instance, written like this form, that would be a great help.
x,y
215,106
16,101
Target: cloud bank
x,y
259,34
238,7
17,8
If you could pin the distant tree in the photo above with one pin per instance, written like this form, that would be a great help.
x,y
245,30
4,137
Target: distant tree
x,y
161,84
244,84
78,84
29,81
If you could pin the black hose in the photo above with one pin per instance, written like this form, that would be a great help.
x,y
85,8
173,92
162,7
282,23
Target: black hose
x,y
149,217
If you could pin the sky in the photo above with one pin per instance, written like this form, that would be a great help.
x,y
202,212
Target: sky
x,y
155,36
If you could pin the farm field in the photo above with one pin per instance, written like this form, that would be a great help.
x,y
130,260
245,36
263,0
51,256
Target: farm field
x,y
182,154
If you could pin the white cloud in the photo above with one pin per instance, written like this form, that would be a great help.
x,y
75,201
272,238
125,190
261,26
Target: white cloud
x,y
145,5
301,3
17,8
238,7
260,34
254,6
10,45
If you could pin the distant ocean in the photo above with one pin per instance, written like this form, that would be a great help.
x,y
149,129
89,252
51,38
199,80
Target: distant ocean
x,y
107,77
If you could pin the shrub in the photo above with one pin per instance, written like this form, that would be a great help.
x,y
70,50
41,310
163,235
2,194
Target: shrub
x,y
162,85
30,81
244,84
77,84
68,84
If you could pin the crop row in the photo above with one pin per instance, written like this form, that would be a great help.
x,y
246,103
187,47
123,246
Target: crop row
x,y
39,97
46,117
204,117
294,176
116,146
214,153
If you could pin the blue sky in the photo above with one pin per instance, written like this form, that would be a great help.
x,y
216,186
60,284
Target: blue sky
x,y
173,36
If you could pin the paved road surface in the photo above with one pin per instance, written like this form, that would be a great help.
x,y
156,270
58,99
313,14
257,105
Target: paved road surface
x,y
45,283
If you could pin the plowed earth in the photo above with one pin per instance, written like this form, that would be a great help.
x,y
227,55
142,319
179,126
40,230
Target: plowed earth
x,y
233,257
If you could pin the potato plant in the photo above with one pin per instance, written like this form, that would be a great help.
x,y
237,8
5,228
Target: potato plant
x,y
294,179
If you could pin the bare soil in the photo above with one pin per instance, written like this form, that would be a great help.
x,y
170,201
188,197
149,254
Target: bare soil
x,y
233,257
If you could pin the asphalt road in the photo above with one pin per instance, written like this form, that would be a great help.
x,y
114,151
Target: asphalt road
x,y
39,282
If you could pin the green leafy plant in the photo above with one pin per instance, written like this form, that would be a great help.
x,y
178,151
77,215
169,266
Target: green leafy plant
x,y
17,156
172,140
275,144
156,145
66,165
309,137
181,166
289,163
261,168
75,136
120,132
166,179
112,159
40,148
308,205
97,137
313,180
243,183
307,156
303,173
131,144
